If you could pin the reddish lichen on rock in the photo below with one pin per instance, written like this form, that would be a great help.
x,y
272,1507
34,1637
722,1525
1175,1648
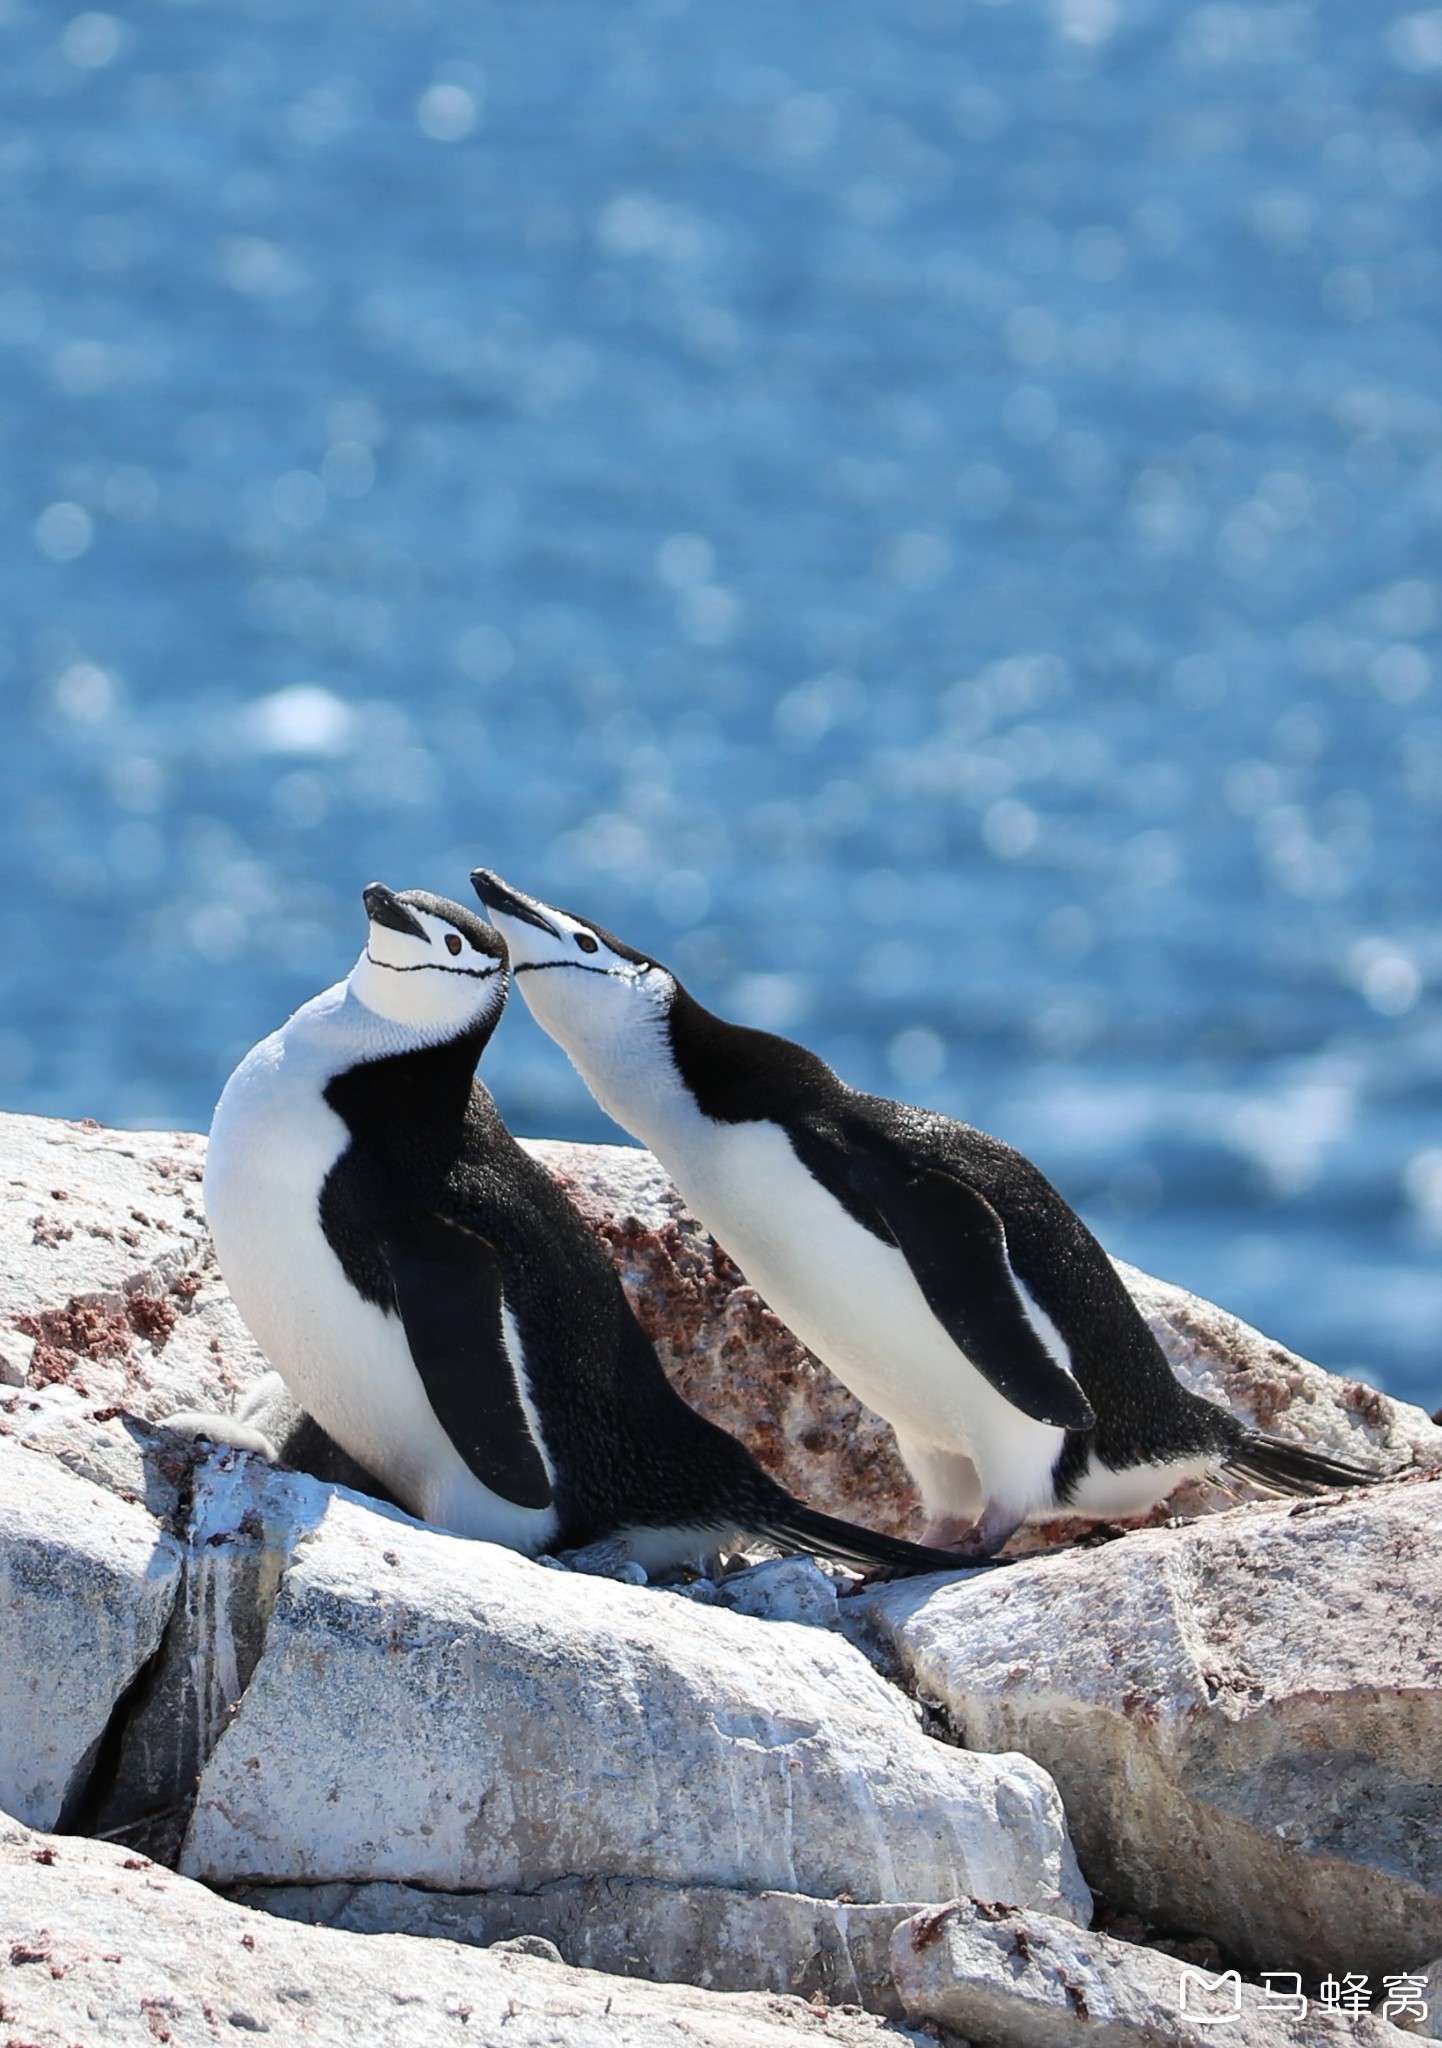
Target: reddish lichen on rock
x,y
151,1316
98,1327
83,1329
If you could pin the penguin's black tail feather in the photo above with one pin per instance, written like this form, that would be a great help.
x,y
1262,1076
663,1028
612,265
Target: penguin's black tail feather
x,y
803,1528
1291,1468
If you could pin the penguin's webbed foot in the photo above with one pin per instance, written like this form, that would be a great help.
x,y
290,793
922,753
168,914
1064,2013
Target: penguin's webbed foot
x,y
973,1541
226,1432
948,1532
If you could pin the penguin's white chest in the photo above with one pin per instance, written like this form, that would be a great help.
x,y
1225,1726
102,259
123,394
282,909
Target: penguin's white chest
x,y
273,1142
853,1300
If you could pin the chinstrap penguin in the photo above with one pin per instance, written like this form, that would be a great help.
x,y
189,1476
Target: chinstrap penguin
x,y
932,1267
433,1300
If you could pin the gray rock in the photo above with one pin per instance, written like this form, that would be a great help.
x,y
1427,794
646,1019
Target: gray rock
x,y
16,1351
105,1447
1424,2015
1024,1980
102,1945
782,1589
1244,1716
86,1585
824,1949
1219,1356
449,1714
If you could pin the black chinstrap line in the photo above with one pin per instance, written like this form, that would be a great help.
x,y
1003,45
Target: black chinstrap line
x,y
581,967
435,967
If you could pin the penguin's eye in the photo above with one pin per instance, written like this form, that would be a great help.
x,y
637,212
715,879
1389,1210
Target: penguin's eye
x,y
586,943
453,943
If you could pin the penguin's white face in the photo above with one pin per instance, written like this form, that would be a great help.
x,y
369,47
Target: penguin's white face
x,y
429,965
587,989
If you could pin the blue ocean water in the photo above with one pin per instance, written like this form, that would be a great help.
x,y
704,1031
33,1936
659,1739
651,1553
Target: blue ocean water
x,y
925,516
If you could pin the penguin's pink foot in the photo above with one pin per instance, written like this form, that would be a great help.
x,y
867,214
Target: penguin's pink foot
x,y
979,1539
948,1532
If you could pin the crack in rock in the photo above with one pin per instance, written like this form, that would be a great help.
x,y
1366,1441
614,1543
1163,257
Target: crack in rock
x,y
242,1522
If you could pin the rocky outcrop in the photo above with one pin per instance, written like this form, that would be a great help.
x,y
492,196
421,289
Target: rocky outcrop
x,y
1244,1717
449,1714
102,1944
239,1524
1006,1976
338,1715
87,1582
302,1688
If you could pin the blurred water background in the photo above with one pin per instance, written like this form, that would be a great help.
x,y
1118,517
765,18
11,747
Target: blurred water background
x,y
925,516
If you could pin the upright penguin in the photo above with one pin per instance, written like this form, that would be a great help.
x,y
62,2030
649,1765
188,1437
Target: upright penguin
x,y
932,1267
433,1300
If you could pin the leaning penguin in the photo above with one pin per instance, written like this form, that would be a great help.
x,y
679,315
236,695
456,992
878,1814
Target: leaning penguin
x,y
932,1267
433,1300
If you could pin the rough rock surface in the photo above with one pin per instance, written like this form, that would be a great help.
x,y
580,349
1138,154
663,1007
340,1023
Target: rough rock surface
x,y
1430,1999
657,1785
699,1934
86,1585
448,1714
1020,1979
101,1945
110,1285
1244,1716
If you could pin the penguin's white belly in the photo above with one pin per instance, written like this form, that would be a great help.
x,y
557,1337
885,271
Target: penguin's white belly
x,y
272,1144
853,1300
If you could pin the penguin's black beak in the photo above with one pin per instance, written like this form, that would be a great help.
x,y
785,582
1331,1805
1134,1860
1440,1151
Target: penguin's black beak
x,y
497,897
383,906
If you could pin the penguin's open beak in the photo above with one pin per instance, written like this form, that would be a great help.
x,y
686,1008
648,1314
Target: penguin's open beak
x,y
383,906
498,898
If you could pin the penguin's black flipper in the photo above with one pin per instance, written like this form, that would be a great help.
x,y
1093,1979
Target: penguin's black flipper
x,y
955,1244
1291,1468
448,1290
798,1527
